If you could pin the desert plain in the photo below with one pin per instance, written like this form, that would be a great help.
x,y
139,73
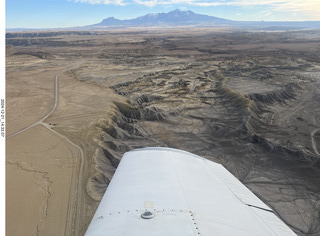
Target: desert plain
x,y
77,100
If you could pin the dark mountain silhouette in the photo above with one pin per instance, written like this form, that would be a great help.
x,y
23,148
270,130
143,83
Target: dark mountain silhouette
x,y
173,18
188,18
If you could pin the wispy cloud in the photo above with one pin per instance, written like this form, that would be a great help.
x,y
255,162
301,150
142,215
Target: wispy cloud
x,y
203,3
105,2
308,7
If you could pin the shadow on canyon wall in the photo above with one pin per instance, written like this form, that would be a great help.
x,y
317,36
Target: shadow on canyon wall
x,y
260,129
247,100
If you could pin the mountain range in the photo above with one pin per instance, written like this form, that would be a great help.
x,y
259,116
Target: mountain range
x,y
172,18
189,18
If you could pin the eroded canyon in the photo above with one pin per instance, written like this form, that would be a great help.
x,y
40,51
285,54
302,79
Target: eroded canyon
x,y
247,100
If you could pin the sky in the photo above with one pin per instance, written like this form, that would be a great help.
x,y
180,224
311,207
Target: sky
x,y
68,13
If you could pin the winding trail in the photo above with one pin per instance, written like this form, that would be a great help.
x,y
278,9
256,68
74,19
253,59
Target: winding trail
x,y
74,205
56,101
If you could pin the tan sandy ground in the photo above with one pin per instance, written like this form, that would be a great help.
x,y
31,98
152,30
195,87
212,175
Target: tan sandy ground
x,y
29,90
81,107
41,167
45,187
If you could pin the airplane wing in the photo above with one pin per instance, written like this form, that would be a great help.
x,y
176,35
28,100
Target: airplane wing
x,y
163,191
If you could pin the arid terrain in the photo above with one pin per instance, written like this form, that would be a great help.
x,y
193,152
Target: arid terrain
x,y
77,100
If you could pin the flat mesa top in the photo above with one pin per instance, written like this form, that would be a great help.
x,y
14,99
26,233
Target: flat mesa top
x,y
162,191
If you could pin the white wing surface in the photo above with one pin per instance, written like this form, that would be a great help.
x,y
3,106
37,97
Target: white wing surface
x,y
162,191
